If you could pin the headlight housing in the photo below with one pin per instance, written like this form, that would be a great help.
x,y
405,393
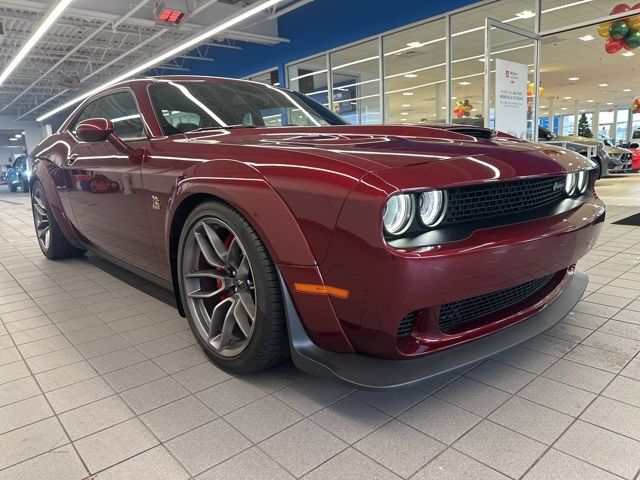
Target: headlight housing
x,y
576,183
431,207
582,181
570,184
397,214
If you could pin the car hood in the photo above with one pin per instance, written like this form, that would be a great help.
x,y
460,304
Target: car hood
x,y
615,150
576,139
374,148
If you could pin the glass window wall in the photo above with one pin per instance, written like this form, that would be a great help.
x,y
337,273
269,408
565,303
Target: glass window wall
x,y
415,74
355,79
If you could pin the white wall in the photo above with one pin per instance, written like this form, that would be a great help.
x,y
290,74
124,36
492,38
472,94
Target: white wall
x,y
34,132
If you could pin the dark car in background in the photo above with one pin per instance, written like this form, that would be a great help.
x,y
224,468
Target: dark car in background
x,y
18,174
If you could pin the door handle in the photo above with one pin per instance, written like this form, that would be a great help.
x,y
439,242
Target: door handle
x,y
72,158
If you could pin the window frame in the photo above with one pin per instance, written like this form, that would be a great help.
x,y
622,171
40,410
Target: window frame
x,y
70,127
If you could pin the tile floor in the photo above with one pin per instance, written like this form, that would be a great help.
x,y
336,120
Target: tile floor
x,y
100,380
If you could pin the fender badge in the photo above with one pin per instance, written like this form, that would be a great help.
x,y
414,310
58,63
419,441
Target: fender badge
x,y
155,202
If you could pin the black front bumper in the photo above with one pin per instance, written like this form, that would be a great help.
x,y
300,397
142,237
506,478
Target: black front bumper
x,y
374,373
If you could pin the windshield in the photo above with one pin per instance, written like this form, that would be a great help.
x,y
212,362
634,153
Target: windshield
x,y
183,106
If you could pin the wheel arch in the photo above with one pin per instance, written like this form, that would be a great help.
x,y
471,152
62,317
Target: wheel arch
x,y
256,201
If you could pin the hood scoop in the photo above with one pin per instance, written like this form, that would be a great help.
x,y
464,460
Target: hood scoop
x,y
475,132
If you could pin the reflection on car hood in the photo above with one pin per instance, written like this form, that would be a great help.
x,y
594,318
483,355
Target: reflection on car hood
x,y
378,147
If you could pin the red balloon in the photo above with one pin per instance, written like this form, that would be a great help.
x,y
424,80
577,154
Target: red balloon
x,y
636,7
622,7
614,46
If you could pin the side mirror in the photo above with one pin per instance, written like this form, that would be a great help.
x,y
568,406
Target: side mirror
x,y
94,130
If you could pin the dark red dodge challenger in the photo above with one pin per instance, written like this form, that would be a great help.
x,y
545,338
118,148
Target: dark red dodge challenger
x,y
379,255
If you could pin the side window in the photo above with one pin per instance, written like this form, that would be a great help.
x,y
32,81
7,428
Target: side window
x,y
122,110
84,115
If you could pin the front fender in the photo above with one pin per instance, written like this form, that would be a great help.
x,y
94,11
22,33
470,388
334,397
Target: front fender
x,y
246,190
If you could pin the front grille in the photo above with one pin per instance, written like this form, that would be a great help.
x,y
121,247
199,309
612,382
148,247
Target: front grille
x,y
406,325
501,198
456,315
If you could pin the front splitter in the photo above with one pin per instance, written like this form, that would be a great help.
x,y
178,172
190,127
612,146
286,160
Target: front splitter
x,y
361,371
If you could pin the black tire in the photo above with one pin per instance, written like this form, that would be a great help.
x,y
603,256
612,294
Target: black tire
x,y
25,186
13,188
268,344
58,246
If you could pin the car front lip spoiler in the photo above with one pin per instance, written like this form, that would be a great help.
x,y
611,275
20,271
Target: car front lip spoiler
x,y
371,373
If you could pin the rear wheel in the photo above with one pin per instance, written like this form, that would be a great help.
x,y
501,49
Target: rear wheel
x,y
52,241
13,188
230,290
25,186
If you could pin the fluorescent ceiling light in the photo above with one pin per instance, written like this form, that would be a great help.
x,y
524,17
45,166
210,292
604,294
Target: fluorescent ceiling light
x,y
628,54
587,38
404,113
186,45
563,108
590,101
403,119
13,139
18,135
415,44
525,14
50,17
583,110
568,98
603,84
626,90
410,75
609,103
465,83
574,79
408,94
405,105
543,106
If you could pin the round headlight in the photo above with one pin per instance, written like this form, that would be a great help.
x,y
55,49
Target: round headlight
x,y
397,214
583,180
570,184
431,207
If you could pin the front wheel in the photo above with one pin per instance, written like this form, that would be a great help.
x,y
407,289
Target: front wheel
x,y
25,186
230,290
52,241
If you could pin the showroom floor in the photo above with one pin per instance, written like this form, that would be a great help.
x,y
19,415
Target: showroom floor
x,y
99,379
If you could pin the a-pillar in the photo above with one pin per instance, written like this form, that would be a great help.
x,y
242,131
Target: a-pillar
x,y
595,124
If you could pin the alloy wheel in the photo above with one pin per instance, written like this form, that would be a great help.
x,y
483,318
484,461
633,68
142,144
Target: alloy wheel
x,y
41,218
219,286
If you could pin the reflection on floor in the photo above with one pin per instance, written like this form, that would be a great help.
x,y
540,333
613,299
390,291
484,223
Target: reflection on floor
x,y
97,377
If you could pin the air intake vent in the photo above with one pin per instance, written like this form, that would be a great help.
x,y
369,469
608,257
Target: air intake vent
x,y
406,325
457,316
474,132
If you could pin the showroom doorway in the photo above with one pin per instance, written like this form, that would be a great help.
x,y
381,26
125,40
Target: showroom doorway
x,y
510,56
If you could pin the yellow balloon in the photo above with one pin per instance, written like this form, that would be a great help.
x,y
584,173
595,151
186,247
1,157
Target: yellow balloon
x,y
541,91
603,29
634,22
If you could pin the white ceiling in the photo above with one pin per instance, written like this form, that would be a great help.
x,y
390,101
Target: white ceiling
x,y
94,41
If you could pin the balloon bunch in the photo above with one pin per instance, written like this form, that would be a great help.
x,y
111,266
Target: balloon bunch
x,y
635,106
463,109
623,33
530,90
